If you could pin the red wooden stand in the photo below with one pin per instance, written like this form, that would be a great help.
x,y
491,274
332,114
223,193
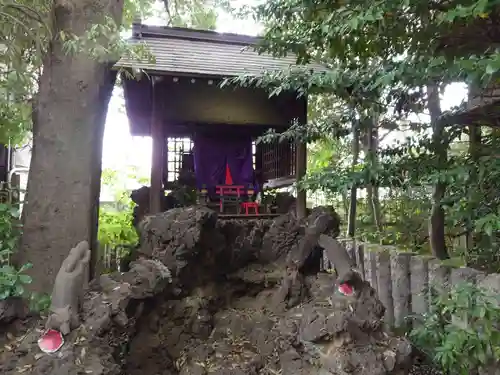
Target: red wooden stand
x,y
247,205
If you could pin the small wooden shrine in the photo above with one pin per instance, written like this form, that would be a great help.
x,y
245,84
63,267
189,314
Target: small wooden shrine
x,y
200,127
461,39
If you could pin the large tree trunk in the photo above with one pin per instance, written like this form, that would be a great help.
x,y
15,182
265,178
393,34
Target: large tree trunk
x,y
63,184
440,149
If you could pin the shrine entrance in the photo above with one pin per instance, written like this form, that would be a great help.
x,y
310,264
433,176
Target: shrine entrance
x,y
204,134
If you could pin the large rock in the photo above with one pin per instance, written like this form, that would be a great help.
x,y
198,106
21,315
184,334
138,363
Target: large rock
x,y
344,334
243,242
197,247
110,310
202,301
186,240
332,219
286,232
282,235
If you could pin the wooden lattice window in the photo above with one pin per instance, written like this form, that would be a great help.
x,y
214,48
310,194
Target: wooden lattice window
x,y
278,160
178,149
269,170
254,155
292,156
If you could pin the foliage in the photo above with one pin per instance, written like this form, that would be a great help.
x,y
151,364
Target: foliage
x,y
12,280
405,221
115,223
268,197
461,331
325,152
39,303
114,47
10,230
382,58
183,195
200,14
25,31
115,228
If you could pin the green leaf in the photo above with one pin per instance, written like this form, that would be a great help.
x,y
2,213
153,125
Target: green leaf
x,y
25,267
488,228
14,212
25,279
4,294
490,69
18,290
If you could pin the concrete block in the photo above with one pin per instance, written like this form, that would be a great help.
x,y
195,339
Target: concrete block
x,y
466,275
439,279
419,270
491,370
371,265
384,284
491,285
439,275
400,275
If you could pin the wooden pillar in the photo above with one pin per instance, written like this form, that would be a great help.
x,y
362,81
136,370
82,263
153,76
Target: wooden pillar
x,y
158,142
300,172
165,162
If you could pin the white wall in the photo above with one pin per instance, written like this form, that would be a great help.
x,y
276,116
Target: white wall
x,y
21,159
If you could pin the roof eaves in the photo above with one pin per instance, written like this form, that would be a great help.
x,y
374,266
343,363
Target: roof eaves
x,y
487,114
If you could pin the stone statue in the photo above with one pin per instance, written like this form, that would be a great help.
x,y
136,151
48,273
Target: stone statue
x,y
69,287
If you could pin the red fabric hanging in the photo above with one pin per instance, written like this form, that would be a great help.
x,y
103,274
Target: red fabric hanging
x,y
229,178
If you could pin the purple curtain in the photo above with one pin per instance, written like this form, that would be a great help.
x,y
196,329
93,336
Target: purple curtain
x,y
211,155
209,161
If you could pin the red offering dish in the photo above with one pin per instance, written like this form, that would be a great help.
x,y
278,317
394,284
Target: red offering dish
x,y
346,289
51,341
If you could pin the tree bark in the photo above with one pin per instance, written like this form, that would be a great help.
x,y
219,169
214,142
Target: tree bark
x,y
475,153
475,143
440,148
371,150
351,222
63,183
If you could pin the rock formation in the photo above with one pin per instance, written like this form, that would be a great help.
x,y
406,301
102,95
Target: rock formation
x,y
210,296
12,308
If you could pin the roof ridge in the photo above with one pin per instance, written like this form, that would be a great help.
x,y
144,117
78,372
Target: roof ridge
x,y
168,32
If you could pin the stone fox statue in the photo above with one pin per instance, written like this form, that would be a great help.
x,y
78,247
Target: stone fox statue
x,y
69,286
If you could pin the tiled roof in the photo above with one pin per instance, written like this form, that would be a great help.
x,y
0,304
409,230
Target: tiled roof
x,y
482,108
205,53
